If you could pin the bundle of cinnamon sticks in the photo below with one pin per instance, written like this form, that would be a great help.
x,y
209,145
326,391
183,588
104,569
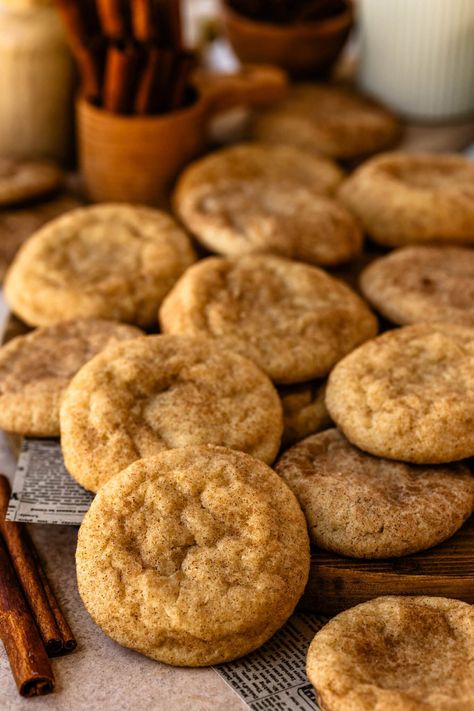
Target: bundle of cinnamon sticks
x,y
130,53
288,11
32,626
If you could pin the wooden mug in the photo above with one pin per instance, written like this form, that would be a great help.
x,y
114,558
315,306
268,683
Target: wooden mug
x,y
137,158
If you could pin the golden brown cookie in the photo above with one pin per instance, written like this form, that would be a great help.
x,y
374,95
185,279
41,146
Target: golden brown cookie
x,y
304,410
414,284
409,198
162,392
262,198
396,653
21,181
327,120
293,320
365,507
35,370
408,394
111,261
193,557
19,223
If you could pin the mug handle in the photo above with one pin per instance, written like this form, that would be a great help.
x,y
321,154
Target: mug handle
x,y
253,85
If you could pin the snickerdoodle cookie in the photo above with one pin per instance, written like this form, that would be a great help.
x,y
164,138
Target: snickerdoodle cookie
x,y
17,224
407,198
304,410
396,653
193,557
35,370
408,394
362,506
294,320
414,284
105,261
327,120
139,398
25,180
273,199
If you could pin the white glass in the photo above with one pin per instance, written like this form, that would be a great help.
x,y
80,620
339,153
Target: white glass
x,y
418,55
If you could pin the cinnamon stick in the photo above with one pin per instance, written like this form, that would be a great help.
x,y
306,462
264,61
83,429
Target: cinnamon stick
x,y
68,640
157,21
55,632
172,10
185,65
82,29
146,92
121,72
164,81
24,647
144,20
114,17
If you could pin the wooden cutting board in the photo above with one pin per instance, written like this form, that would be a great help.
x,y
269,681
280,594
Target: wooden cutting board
x,y
337,583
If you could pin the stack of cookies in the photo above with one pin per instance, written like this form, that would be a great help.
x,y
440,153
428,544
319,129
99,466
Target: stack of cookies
x,y
177,382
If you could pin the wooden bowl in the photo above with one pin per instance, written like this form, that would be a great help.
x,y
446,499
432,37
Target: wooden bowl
x,y
306,49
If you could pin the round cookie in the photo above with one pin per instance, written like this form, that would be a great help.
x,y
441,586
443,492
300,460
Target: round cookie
x,y
408,394
262,198
21,181
365,507
329,121
414,284
293,320
18,224
410,653
193,557
137,399
304,410
105,261
35,370
409,198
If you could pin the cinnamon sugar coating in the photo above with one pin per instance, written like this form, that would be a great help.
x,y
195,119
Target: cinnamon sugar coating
x,y
408,394
413,198
414,284
254,198
410,653
36,369
362,506
141,398
293,320
111,261
193,557
327,120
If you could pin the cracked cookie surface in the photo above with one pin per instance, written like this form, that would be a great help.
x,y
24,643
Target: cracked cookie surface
x,y
193,557
327,120
410,653
104,261
36,369
413,198
156,393
273,199
414,284
408,394
293,320
362,506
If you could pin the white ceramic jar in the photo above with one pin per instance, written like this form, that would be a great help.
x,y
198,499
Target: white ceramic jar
x,y
37,79
418,56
